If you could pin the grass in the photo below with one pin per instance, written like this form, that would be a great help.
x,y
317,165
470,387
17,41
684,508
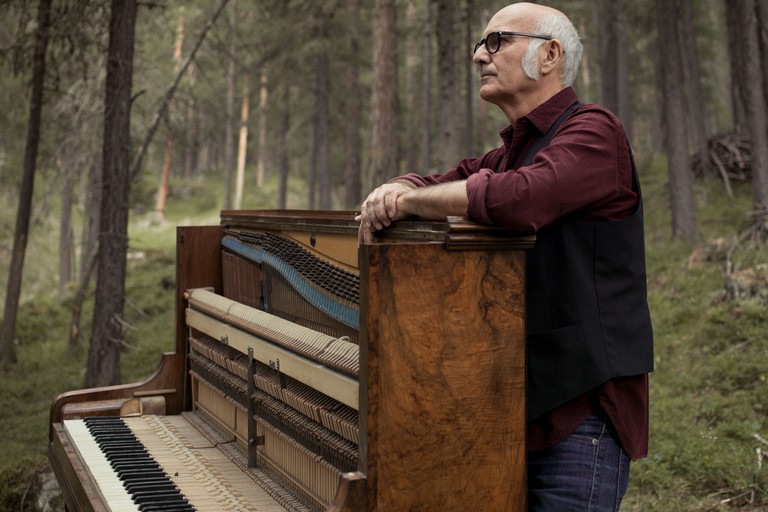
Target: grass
x,y
709,393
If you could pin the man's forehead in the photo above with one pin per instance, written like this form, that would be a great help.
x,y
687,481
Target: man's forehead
x,y
509,19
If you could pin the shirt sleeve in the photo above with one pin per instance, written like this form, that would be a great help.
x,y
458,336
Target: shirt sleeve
x,y
462,171
585,168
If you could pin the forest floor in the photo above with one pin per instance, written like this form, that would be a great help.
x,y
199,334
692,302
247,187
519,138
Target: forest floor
x,y
709,393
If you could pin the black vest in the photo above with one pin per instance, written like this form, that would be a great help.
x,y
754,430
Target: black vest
x,y
588,318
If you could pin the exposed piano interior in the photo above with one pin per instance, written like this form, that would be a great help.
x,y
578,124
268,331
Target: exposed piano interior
x,y
311,374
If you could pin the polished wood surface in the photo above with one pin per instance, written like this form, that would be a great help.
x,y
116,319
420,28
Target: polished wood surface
x,y
445,349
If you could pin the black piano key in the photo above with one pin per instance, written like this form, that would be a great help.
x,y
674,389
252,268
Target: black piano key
x,y
152,487
167,508
158,495
167,498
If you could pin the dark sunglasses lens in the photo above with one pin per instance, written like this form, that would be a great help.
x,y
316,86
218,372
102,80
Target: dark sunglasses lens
x,y
492,42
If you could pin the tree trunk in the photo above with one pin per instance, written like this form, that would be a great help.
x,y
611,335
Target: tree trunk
x,y
107,338
697,107
242,146
385,149
414,40
193,122
449,85
165,175
229,145
262,137
320,167
13,290
66,234
282,149
353,165
680,182
756,108
426,112
739,86
615,80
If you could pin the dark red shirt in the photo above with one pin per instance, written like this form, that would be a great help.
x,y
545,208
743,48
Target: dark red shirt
x,y
586,169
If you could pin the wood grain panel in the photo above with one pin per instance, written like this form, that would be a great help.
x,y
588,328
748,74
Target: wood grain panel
x,y
446,363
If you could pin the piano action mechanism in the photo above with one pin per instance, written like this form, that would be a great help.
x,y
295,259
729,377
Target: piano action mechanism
x,y
311,374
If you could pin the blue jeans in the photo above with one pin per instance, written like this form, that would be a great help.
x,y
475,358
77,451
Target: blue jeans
x,y
588,471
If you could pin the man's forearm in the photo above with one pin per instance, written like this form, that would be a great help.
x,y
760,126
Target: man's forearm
x,y
435,202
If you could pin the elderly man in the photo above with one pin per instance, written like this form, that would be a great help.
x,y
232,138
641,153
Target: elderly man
x,y
565,171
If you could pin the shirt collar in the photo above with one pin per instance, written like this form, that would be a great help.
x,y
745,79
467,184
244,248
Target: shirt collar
x,y
543,116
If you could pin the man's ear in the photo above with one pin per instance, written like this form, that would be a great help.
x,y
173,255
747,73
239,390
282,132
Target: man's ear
x,y
553,56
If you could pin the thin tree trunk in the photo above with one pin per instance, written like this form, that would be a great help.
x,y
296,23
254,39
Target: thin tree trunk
x,y
353,165
469,97
229,155
697,107
414,40
242,146
66,235
739,86
165,175
262,138
426,112
384,150
756,110
193,121
103,366
680,182
13,290
449,86
282,150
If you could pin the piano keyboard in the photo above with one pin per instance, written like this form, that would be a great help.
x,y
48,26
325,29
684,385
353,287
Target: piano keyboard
x,y
181,469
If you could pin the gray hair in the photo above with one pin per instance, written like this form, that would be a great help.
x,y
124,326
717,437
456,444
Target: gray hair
x,y
559,27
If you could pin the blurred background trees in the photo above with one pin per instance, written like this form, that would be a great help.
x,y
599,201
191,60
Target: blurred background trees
x,y
322,100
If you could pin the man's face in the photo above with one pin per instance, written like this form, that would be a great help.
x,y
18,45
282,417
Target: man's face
x,y
502,80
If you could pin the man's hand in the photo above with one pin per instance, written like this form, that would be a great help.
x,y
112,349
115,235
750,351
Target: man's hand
x,y
380,209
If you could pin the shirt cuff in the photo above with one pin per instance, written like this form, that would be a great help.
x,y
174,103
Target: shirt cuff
x,y
477,188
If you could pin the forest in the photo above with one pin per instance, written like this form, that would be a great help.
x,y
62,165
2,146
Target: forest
x,y
120,119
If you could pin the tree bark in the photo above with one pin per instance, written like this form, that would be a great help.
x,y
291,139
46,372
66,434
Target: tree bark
x,y
739,86
103,366
426,112
165,175
697,107
756,108
13,290
680,182
242,146
615,80
282,149
449,85
229,154
385,148
353,164
262,135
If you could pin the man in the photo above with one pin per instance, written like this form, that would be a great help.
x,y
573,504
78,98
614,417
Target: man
x,y
565,172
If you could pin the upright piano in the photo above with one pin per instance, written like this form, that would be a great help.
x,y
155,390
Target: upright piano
x,y
313,373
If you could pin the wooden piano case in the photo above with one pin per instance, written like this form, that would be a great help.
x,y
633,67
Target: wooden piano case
x,y
442,362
